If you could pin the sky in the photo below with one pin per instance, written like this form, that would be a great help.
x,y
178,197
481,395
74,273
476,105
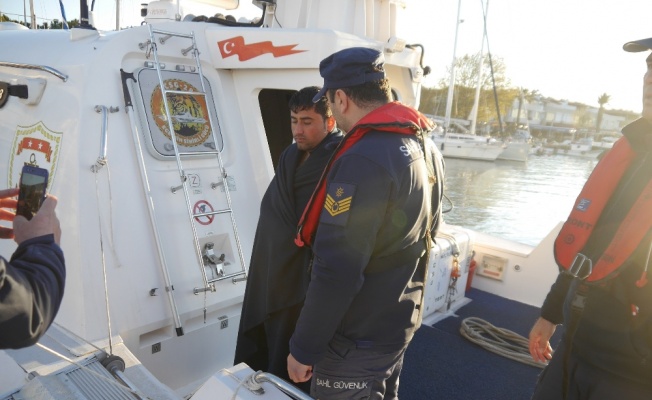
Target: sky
x,y
564,49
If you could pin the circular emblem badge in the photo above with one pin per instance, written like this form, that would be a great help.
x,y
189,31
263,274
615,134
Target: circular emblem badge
x,y
188,112
568,239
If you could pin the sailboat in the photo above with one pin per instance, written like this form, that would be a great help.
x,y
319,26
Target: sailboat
x,y
461,143
518,147
466,145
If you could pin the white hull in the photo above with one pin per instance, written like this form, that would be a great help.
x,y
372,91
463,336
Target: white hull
x,y
581,153
602,145
582,148
515,151
468,149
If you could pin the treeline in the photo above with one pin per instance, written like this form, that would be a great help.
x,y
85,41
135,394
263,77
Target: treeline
x,y
498,102
53,24
467,70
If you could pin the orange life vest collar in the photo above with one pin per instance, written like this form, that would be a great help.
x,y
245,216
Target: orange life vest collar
x,y
392,117
587,210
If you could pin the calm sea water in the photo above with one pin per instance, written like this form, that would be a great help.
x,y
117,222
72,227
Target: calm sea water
x,y
514,200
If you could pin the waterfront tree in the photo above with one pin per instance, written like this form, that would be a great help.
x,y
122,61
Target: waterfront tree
x,y
583,118
525,95
602,100
433,100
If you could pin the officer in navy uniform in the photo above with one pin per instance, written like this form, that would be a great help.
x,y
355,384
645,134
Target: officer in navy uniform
x,y
602,295
368,224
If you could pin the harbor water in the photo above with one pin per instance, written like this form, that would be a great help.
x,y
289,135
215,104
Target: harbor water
x,y
514,200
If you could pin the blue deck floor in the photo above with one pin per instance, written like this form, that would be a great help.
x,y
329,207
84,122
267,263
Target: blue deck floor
x,y
441,364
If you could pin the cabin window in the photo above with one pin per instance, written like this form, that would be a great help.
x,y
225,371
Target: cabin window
x,y
276,119
192,115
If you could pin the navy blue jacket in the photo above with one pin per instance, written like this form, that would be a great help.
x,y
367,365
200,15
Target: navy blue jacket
x,y
31,289
368,269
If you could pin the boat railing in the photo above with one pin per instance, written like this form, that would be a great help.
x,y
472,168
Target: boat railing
x,y
45,68
282,385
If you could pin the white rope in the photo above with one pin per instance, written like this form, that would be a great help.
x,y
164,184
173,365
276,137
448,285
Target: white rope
x,y
498,340
106,286
248,382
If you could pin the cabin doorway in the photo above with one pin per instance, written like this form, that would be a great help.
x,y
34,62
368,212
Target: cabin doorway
x,y
276,119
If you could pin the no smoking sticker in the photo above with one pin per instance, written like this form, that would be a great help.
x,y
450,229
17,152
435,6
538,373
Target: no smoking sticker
x,y
203,207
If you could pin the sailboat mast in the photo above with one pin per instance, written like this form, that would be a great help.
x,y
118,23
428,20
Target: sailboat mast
x,y
451,84
117,15
476,101
32,15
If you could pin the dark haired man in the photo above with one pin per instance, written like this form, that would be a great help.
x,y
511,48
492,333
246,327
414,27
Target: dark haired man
x,y
602,294
370,225
278,271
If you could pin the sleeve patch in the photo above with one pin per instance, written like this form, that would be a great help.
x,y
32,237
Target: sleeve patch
x,y
337,204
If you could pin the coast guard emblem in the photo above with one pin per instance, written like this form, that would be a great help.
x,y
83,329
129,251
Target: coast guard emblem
x,y
37,145
189,113
338,203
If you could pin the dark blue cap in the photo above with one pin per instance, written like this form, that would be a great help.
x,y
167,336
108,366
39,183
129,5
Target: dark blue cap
x,y
350,67
638,45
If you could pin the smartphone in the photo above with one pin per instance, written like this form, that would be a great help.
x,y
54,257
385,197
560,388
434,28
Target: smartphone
x,y
33,182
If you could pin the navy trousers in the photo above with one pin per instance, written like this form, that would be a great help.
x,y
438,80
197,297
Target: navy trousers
x,y
353,373
585,382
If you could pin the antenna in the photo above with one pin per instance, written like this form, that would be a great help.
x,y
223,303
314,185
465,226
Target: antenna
x,y
83,15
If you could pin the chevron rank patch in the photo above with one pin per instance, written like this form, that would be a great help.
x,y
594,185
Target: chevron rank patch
x,y
337,204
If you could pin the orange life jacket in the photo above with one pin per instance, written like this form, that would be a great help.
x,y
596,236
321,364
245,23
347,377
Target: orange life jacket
x,y
587,210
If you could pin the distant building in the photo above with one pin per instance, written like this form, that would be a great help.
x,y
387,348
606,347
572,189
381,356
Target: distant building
x,y
547,116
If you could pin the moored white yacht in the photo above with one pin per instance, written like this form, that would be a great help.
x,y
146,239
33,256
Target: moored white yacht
x,y
605,143
579,148
518,147
515,151
464,145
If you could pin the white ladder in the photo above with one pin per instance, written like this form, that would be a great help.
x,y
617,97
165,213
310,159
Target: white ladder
x,y
206,255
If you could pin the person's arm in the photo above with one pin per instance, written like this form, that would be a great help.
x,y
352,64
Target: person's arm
x,y
31,290
553,305
32,282
540,348
551,316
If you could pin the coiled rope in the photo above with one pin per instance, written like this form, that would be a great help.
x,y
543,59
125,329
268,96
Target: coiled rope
x,y
498,340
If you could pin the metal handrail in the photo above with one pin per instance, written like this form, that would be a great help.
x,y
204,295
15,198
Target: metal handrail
x,y
282,385
45,68
101,159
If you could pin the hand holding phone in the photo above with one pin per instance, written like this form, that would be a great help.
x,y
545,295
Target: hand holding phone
x,y
43,223
33,182
7,207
